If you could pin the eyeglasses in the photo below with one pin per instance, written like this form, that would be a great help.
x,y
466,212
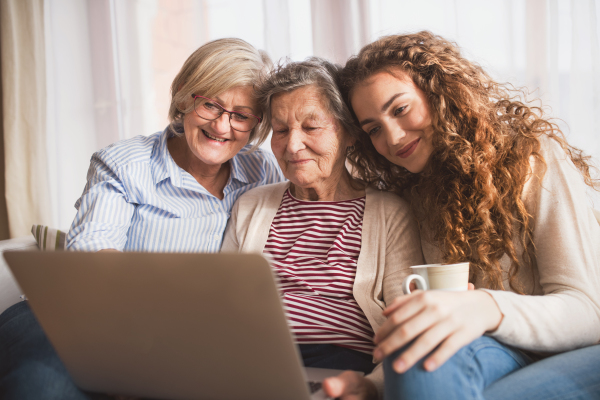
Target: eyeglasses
x,y
210,110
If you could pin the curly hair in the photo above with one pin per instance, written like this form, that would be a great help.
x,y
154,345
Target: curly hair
x,y
485,136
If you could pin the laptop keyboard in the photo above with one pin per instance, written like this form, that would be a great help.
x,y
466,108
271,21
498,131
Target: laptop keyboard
x,y
314,386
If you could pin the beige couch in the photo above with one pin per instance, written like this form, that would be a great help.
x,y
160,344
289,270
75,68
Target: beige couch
x,y
10,293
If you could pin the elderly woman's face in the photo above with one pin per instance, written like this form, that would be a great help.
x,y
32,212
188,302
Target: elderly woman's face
x,y
214,142
307,141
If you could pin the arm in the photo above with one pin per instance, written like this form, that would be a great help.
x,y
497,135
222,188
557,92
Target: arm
x,y
103,211
566,316
398,248
567,238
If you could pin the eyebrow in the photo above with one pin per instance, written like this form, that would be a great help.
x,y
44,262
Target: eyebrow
x,y
218,100
385,106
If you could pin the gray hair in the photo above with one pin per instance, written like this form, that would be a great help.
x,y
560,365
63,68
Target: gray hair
x,y
314,71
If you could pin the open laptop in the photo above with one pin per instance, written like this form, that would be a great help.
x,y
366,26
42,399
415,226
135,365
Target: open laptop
x,y
169,326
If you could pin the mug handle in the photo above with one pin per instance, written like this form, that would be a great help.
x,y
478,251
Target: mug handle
x,y
420,281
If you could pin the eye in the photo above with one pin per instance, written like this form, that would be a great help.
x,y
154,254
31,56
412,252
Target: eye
x,y
239,117
279,129
399,110
373,131
211,106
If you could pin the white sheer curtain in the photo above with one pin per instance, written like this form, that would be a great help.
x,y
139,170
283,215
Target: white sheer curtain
x,y
110,63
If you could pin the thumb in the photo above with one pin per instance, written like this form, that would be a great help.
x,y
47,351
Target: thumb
x,y
334,386
345,384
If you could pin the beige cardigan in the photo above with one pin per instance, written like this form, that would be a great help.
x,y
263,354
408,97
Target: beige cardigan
x,y
390,246
562,309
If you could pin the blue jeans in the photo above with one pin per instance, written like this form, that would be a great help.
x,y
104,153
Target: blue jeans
x,y
487,369
29,367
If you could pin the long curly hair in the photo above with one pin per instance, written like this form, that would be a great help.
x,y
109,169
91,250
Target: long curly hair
x,y
485,135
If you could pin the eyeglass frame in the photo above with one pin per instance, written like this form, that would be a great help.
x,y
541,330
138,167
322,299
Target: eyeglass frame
x,y
224,110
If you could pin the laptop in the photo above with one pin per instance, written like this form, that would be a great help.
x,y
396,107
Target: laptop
x,y
167,326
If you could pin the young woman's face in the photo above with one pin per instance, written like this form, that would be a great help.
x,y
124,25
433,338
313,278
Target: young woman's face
x,y
394,112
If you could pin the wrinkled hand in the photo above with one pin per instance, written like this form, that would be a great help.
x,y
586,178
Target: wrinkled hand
x,y
350,386
434,318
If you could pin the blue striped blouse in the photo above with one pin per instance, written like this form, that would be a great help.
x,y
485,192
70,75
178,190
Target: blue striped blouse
x,y
137,199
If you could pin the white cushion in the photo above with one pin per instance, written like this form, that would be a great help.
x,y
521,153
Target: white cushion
x,y
10,293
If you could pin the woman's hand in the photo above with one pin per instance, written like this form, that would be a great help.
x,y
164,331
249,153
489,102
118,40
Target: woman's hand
x,y
350,386
434,318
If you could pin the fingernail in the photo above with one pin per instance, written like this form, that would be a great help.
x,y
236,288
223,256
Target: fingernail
x,y
377,354
430,365
399,366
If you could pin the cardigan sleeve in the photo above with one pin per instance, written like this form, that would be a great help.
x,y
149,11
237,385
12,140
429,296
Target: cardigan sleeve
x,y
395,230
403,248
567,255
230,242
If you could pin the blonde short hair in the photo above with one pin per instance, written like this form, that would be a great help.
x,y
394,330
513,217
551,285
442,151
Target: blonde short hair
x,y
214,68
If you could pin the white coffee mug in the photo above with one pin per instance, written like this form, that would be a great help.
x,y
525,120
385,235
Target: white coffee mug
x,y
452,277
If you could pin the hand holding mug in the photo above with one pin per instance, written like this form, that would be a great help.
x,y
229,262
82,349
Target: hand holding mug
x,y
445,319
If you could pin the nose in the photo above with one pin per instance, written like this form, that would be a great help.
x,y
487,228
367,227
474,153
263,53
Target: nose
x,y
394,135
295,141
221,125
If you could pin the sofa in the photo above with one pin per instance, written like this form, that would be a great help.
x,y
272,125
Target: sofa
x,y
10,293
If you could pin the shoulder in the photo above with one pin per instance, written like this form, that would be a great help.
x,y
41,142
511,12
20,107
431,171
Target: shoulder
x,y
556,168
256,158
134,150
388,201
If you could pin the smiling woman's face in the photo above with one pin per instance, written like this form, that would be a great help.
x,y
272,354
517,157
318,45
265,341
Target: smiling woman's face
x,y
214,142
309,144
394,112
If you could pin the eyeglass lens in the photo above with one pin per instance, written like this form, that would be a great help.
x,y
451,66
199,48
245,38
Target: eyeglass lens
x,y
238,120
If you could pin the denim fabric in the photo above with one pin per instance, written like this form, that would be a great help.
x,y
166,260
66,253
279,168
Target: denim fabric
x,y
487,369
463,377
335,357
567,376
29,366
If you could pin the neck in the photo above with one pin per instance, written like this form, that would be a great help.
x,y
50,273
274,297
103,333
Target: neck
x,y
337,188
213,178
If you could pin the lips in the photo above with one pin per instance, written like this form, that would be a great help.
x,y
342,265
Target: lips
x,y
298,161
408,149
216,139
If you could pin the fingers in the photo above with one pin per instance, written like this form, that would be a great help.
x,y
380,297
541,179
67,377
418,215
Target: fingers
x,y
424,345
349,386
398,302
334,387
405,329
399,312
471,286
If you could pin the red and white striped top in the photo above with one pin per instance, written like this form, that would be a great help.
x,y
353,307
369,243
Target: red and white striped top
x,y
314,248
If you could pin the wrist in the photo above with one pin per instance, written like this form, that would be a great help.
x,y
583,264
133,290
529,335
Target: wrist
x,y
491,310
